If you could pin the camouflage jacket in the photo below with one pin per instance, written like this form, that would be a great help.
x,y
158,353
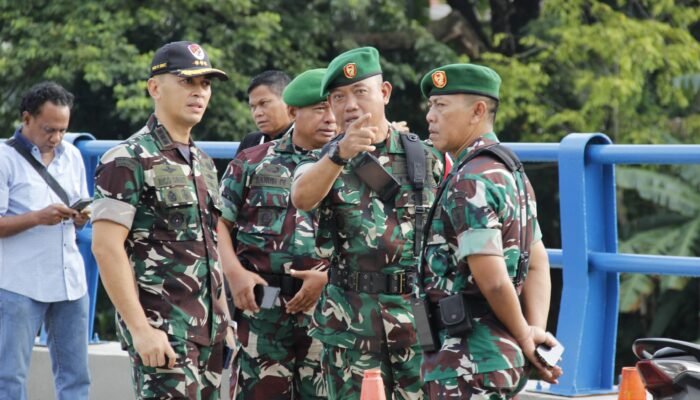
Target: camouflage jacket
x,y
171,207
478,213
372,236
273,236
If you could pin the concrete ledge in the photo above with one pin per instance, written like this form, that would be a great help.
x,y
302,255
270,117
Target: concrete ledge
x,y
111,377
110,374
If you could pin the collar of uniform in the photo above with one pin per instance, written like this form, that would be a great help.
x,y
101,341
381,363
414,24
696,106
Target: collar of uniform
x,y
393,142
483,140
27,144
285,144
160,134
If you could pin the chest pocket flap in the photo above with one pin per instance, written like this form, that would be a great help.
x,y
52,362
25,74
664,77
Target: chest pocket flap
x,y
176,216
268,200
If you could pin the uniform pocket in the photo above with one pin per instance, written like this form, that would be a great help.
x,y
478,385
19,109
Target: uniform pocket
x,y
268,207
346,198
176,214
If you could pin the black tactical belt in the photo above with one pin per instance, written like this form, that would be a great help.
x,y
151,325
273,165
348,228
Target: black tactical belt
x,y
371,282
477,307
288,284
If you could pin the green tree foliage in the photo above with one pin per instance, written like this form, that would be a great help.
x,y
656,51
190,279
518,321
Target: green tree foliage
x,y
627,68
595,66
102,50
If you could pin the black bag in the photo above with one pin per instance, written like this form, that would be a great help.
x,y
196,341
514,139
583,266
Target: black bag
x,y
455,315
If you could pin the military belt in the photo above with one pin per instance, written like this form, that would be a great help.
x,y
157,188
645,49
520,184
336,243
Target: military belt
x,y
289,285
371,282
477,307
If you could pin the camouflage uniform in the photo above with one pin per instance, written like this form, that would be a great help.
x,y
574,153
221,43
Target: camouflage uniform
x,y
362,330
278,358
480,212
170,202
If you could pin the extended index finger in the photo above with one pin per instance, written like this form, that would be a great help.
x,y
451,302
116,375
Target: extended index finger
x,y
360,122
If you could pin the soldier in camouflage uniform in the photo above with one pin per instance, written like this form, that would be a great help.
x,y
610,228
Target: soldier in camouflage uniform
x,y
474,244
276,247
155,213
364,318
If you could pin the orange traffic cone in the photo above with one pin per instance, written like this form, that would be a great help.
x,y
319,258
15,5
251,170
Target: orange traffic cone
x,y
631,386
372,386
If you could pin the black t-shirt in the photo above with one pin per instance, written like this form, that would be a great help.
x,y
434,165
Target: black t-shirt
x,y
256,138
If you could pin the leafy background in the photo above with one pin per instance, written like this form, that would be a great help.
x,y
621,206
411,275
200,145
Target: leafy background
x,y
630,69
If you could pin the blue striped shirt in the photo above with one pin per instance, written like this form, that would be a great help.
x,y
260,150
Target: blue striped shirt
x,y
42,262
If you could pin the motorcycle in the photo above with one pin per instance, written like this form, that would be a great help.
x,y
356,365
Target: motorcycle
x,y
669,368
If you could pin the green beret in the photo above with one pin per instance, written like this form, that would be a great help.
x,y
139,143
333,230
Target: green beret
x,y
461,78
352,66
305,89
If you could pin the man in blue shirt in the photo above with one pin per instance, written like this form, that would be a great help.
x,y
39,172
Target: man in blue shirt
x,y
42,276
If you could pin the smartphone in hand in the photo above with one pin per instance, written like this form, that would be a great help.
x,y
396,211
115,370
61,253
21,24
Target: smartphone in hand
x,y
549,356
81,204
265,296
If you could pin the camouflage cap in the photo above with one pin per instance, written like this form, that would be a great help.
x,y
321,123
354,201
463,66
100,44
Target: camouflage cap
x,y
352,66
461,78
305,89
184,59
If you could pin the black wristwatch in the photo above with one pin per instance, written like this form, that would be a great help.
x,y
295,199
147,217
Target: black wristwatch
x,y
334,154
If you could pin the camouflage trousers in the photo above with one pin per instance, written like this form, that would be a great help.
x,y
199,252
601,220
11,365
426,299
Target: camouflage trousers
x,y
277,361
496,385
196,375
344,370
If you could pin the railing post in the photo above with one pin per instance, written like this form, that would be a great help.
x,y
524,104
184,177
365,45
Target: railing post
x,y
84,235
588,314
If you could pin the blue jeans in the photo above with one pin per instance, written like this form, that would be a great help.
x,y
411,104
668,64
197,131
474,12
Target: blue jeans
x,y
67,331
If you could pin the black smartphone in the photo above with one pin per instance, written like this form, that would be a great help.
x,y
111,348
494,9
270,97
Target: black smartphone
x,y
549,356
265,296
228,356
81,204
371,172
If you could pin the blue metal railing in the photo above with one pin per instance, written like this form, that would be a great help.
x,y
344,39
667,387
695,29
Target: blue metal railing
x,y
591,264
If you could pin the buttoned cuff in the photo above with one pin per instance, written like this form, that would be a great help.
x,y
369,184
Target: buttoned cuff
x,y
487,242
113,210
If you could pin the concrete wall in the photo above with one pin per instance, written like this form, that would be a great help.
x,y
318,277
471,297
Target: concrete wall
x,y
109,371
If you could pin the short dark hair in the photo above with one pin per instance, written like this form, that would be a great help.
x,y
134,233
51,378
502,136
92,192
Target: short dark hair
x,y
491,104
42,92
492,108
274,79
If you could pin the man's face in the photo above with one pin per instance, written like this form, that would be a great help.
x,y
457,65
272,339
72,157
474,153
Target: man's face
x,y
350,102
449,119
314,125
268,110
46,129
180,99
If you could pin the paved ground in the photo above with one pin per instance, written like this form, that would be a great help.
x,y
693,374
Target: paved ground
x,y
109,367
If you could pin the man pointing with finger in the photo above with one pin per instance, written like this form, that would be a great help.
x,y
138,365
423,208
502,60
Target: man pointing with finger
x,y
367,229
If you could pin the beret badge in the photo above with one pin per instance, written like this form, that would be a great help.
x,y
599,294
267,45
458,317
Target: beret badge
x,y
350,70
439,79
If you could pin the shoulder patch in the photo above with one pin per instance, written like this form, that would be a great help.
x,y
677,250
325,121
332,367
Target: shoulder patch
x,y
129,163
118,151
